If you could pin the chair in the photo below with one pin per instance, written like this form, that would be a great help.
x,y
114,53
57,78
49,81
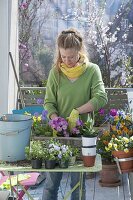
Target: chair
x,y
24,184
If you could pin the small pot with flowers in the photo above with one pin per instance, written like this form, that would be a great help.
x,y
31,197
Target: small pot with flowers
x,y
59,126
40,125
51,152
64,155
75,154
89,138
35,153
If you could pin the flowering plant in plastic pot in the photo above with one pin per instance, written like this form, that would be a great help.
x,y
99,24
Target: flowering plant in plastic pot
x,y
52,149
65,153
40,124
35,153
60,126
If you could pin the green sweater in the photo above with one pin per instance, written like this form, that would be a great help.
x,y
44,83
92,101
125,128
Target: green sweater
x,y
63,95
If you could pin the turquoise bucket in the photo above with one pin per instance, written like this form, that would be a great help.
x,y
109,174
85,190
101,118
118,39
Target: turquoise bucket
x,y
15,132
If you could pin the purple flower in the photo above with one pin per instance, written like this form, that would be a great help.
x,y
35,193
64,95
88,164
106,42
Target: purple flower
x,y
79,122
113,112
75,131
36,114
40,101
101,111
59,124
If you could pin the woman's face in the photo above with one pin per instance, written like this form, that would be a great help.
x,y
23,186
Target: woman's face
x,y
69,56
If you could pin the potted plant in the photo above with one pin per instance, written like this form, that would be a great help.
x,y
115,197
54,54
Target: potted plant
x,y
35,153
51,151
121,143
75,153
89,138
109,176
64,155
121,148
60,127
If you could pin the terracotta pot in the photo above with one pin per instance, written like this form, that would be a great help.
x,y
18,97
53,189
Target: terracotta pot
x,y
109,176
89,161
125,160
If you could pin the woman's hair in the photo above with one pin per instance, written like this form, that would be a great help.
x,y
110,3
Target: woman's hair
x,y
68,39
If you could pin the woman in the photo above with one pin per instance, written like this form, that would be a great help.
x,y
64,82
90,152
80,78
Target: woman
x,y
74,87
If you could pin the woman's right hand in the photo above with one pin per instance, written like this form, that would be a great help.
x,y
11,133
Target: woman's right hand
x,y
53,116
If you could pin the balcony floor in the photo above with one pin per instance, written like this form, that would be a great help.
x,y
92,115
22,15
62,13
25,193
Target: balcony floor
x,y
94,190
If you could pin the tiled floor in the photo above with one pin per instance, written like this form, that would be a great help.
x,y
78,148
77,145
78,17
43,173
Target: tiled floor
x,y
94,190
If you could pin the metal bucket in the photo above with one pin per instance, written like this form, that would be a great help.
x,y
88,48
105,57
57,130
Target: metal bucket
x,y
15,132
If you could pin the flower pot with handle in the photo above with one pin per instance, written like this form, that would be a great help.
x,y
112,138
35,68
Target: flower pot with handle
x,y
124,160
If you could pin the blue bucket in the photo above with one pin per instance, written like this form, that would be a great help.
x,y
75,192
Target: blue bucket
x,y
15,132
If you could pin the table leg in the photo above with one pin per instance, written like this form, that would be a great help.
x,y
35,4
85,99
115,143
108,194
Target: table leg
x,y
79,184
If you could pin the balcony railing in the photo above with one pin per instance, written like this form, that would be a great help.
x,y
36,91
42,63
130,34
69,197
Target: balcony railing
x,y
117,97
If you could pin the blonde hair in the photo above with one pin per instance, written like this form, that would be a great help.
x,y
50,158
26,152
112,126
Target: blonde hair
x,y
70,38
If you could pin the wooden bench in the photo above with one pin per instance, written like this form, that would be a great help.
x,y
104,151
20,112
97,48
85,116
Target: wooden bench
x,y
117,97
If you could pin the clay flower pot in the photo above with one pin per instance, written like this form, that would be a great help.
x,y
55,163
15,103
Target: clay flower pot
x,y
109,176
125,160
89,151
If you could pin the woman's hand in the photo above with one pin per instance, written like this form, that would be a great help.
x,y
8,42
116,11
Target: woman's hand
x,y
72,119
53,116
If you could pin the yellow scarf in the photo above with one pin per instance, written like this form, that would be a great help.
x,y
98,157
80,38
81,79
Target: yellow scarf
x,y
76,71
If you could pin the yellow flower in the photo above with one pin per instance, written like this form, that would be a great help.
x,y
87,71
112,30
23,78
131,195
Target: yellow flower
x,y
34,119
125,129
39,118
131,138
110,145
119,132
115,146
116,118
125,139
113,128
128,117
27,113
106,133
126,150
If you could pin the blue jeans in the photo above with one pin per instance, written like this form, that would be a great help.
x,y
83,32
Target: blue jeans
x,y
52,184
